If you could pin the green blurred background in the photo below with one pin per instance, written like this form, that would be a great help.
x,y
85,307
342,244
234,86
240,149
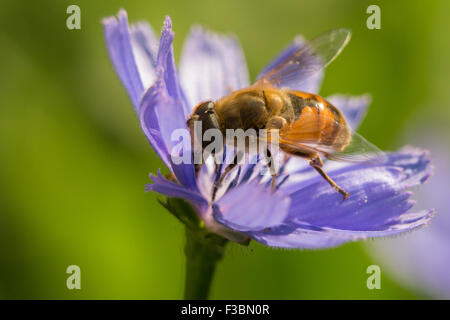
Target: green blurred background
x,y
74,162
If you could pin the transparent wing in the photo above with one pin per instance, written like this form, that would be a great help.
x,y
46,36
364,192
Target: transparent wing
x,y
307,60
359,150
322,134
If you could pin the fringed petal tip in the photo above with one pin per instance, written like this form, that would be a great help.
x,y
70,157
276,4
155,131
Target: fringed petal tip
x,y
154,179
419,219
416,164
168,24
121,14
167,31
108,20
171,189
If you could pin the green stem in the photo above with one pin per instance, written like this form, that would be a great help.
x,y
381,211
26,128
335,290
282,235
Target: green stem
x,y
202,254
203,249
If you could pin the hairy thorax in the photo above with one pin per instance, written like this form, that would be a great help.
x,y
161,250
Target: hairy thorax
x,y
252,109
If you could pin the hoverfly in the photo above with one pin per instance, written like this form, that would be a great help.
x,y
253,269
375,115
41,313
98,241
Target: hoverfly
x,y
309,126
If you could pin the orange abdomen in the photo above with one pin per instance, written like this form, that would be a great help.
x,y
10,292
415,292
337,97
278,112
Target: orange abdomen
x,y
318,122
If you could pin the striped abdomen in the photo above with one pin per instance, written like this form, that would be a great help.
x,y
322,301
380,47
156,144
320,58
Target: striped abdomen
x,y
317,122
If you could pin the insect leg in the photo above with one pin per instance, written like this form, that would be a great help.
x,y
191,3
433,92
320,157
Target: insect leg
x,y
269,162
230,167
277,123
317,164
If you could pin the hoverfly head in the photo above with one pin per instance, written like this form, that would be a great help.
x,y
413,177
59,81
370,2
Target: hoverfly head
x,y
203,118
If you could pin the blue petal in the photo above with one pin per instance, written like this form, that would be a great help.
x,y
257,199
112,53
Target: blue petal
x,y
163,112
299,238
211,66
154,96
377,199
166,66
145,48
251,206
311,85
354,108
118,41
415,163
305,236
158,106
171,189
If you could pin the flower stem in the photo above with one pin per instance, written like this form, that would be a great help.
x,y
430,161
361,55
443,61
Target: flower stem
x,y
202,254
203,249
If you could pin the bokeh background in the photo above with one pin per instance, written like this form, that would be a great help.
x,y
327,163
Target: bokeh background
x,y
74,162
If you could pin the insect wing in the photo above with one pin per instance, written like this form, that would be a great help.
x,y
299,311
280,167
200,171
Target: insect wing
x,y
307,61
359,150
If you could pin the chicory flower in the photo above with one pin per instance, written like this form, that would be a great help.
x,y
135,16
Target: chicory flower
x,y
304,212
